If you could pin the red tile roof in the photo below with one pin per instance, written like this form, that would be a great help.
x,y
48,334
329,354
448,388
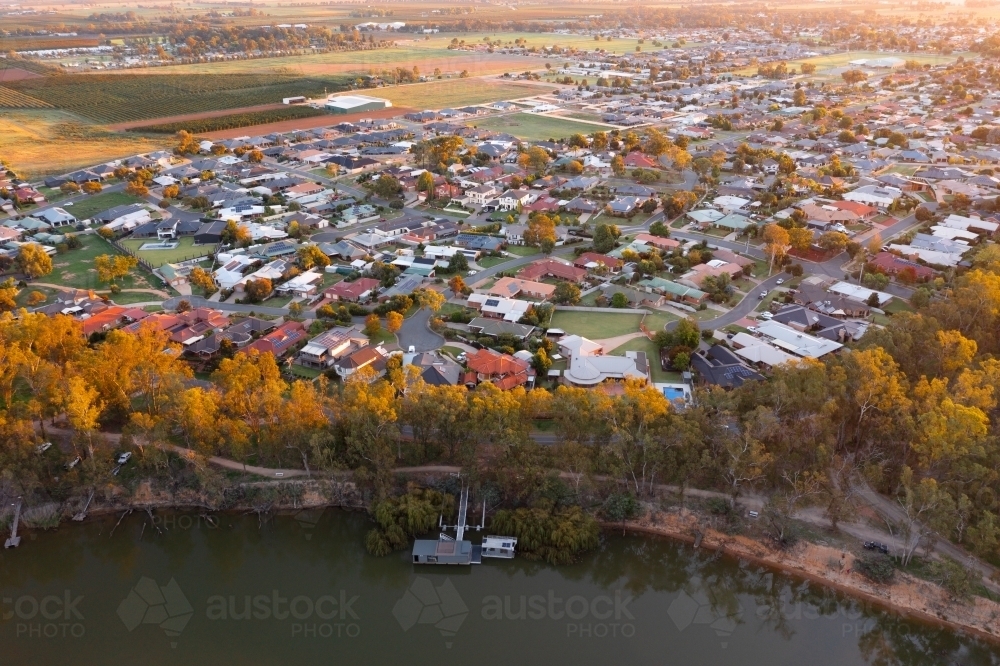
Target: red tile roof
x,y
890,263
280,340
594,257
351,291
506,372
550,267
104,320
637,159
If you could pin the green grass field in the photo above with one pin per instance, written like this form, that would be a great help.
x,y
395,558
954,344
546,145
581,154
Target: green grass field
x,y
98,203
522,251
655,321
834,61
596,325
185,250
533,127
76,269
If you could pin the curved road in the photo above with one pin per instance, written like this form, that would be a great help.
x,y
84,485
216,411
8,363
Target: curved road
x,y
416,333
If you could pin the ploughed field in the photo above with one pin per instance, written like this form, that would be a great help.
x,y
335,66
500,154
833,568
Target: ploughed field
x,y
109,98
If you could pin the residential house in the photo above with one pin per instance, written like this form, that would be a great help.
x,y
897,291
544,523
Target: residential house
x,y
872,195
513,287
554,268
636,298
325,349
371,357
892,264
56,217
624,206
281,340
723,367
361,289
589,367
504,371
591,261
498,307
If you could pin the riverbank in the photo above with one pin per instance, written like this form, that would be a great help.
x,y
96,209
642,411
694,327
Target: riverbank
x,y
833,567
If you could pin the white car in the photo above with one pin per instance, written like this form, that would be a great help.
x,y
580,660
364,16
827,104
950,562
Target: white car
x,y
412,350
124,458
42,448
765,315
780,281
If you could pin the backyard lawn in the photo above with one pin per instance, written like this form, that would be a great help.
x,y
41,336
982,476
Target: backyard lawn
x,y
90,206
596,325
76,269
655,321
186,249
489,262
522,250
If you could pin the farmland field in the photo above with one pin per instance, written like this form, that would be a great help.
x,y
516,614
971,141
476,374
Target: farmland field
x,y
533,127
108,98
236,120
457,92
42,142
425,58
12,99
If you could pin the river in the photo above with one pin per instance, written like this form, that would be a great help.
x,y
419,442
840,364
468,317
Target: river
x,y
230,589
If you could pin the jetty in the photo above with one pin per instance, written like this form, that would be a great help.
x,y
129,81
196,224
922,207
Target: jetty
x,y
14,541
458,550
83,514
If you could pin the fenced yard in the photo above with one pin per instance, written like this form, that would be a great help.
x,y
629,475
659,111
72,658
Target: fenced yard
x,y
185,249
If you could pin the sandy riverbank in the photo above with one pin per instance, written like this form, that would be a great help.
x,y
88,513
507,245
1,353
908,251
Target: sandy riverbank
x,y
834,567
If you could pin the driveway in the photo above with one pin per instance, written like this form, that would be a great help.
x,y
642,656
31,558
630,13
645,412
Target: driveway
x,y
416,333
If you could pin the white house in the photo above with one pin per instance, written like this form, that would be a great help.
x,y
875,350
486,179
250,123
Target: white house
x,y
57,217
481,194
873,195
729,204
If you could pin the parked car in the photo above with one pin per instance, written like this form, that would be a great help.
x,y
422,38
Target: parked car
x,y
124,458
412,349
42,448
73,463
780,281
765,315
762,296
752,329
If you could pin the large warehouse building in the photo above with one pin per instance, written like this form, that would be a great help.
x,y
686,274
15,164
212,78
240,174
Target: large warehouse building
x,y
356,104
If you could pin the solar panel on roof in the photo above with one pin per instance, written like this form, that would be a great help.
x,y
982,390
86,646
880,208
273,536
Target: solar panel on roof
x,y
492,302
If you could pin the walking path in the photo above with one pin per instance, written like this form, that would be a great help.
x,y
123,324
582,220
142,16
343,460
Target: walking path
x,y
610,344
62,287
812,515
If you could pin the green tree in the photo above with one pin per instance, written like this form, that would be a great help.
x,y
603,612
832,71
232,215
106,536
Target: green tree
x,y
566,293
